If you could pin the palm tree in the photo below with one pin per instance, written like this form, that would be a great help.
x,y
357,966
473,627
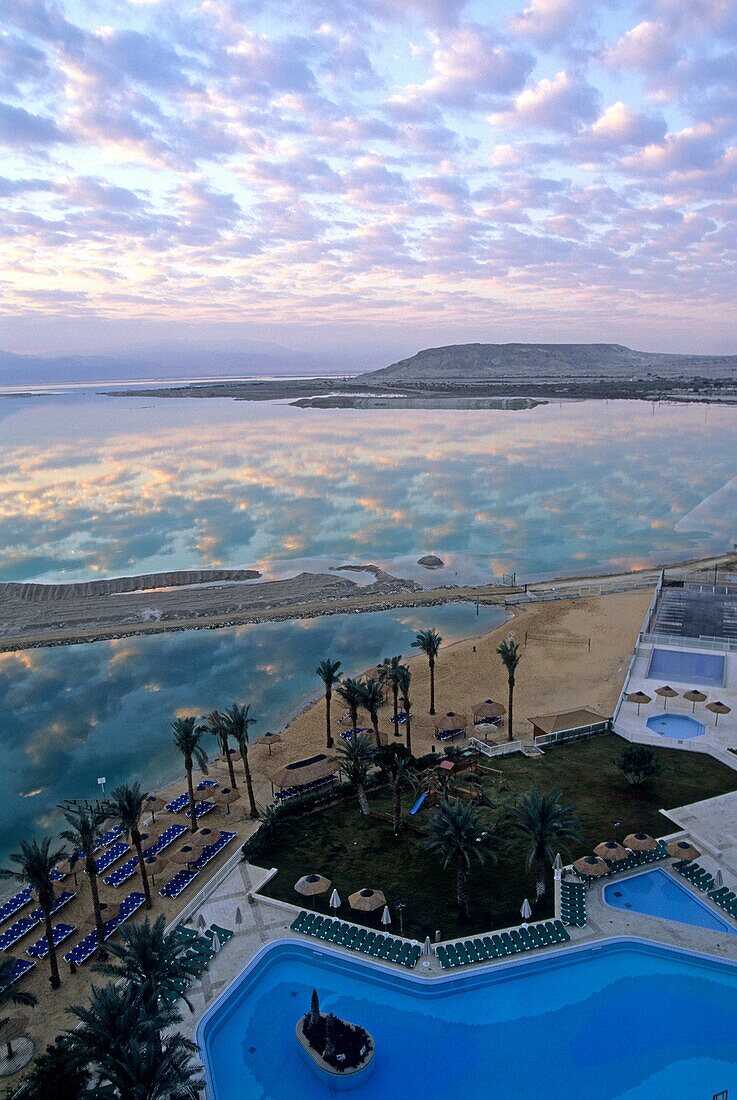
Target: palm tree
x,y
372,697
84,832
429,642
351,692
329,673
357,756
511,656
125,1045
390,667
35,862
405,679
546,824
154,961
237,723
456,833
127,804
187,738
397,761
214,724
55,1072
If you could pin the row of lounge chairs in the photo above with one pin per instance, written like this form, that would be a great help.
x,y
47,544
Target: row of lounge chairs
x,y
59,933
498,945
200,952
573,903
25,925
304,788
104,862
182,879
357,938
89,945
699,877
19,968
128,869
14,905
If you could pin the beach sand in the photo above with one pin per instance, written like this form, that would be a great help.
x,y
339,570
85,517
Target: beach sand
x,y
551,676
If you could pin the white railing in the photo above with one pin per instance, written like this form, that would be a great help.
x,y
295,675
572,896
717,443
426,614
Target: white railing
x,y
495,750
720,645
573,734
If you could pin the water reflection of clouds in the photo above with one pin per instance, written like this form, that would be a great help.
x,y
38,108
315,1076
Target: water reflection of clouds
x,y
70,714
231,485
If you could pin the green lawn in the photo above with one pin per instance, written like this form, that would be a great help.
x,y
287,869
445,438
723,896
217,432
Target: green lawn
x,y
355,851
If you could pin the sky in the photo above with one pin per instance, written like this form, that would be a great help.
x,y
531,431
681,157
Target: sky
x,y
345,174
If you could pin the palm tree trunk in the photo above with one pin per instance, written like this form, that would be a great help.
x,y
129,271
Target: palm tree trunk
x,y
395,694
354,720
462,888
229,759
375,724
190,791
253,811
136,838
329,738
91,869
53,962
539,879
397,808
510,735
408,724
363,799
432,685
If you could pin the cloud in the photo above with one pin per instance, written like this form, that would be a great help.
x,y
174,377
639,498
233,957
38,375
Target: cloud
x,y
648,47
547,22
563,103
19,128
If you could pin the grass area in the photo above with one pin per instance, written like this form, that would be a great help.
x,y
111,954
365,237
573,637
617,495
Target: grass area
x,y
355,851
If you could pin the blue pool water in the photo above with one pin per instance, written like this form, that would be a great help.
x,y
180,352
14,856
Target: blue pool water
x,y
687,666
624,1019
657,894
680,726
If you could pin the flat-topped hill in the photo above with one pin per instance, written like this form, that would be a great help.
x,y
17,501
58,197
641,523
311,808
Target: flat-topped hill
x,y
473,363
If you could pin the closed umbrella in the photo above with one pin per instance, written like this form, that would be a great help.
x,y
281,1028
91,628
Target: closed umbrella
x,y
718,879
694,697
717,709
640,698
386,917
526,911
238,915
592,866
683,849
666,692
611,851
366,901
335,901
427,948
640,842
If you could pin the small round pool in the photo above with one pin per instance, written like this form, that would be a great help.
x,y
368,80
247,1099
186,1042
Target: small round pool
x,y
679,726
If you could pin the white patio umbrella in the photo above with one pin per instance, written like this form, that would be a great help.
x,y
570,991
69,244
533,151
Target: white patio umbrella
x,y
386,917
427,948
719,879
335,901
238,915
526,911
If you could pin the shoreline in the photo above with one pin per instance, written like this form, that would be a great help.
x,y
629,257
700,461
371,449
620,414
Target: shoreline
x,y
308,596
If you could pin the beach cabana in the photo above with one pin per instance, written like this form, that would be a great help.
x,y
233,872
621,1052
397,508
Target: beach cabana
x,y
450,726
568,723
302,776
488,712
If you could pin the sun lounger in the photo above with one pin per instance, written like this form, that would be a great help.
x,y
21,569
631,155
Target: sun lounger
x,y
14,905
222,934
123,873
17,931
59,902
59,933
111,856
211,850
172,833
18,969
178,884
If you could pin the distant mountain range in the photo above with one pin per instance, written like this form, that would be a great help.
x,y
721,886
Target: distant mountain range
x,y
490,363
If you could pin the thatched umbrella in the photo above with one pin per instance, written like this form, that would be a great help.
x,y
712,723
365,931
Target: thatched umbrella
x,y
640,842
694,697
717,709
156,865
270,739
592,866
640,698
154,803
666,692
309,885
65,868
12,1029
452,723
366,901
225,796
185,855
683,849
487,711
611,851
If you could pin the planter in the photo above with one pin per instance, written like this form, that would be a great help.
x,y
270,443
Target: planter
x,y
337,1080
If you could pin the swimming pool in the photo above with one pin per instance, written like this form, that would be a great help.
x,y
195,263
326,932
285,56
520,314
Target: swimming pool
x,y
687,666
621,1019
657,894
680,726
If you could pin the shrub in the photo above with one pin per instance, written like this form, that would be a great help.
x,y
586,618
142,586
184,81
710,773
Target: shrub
x,y
638,764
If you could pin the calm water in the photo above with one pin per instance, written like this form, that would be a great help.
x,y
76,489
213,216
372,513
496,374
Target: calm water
x,y
73,713
658,894
625,1021
94,486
